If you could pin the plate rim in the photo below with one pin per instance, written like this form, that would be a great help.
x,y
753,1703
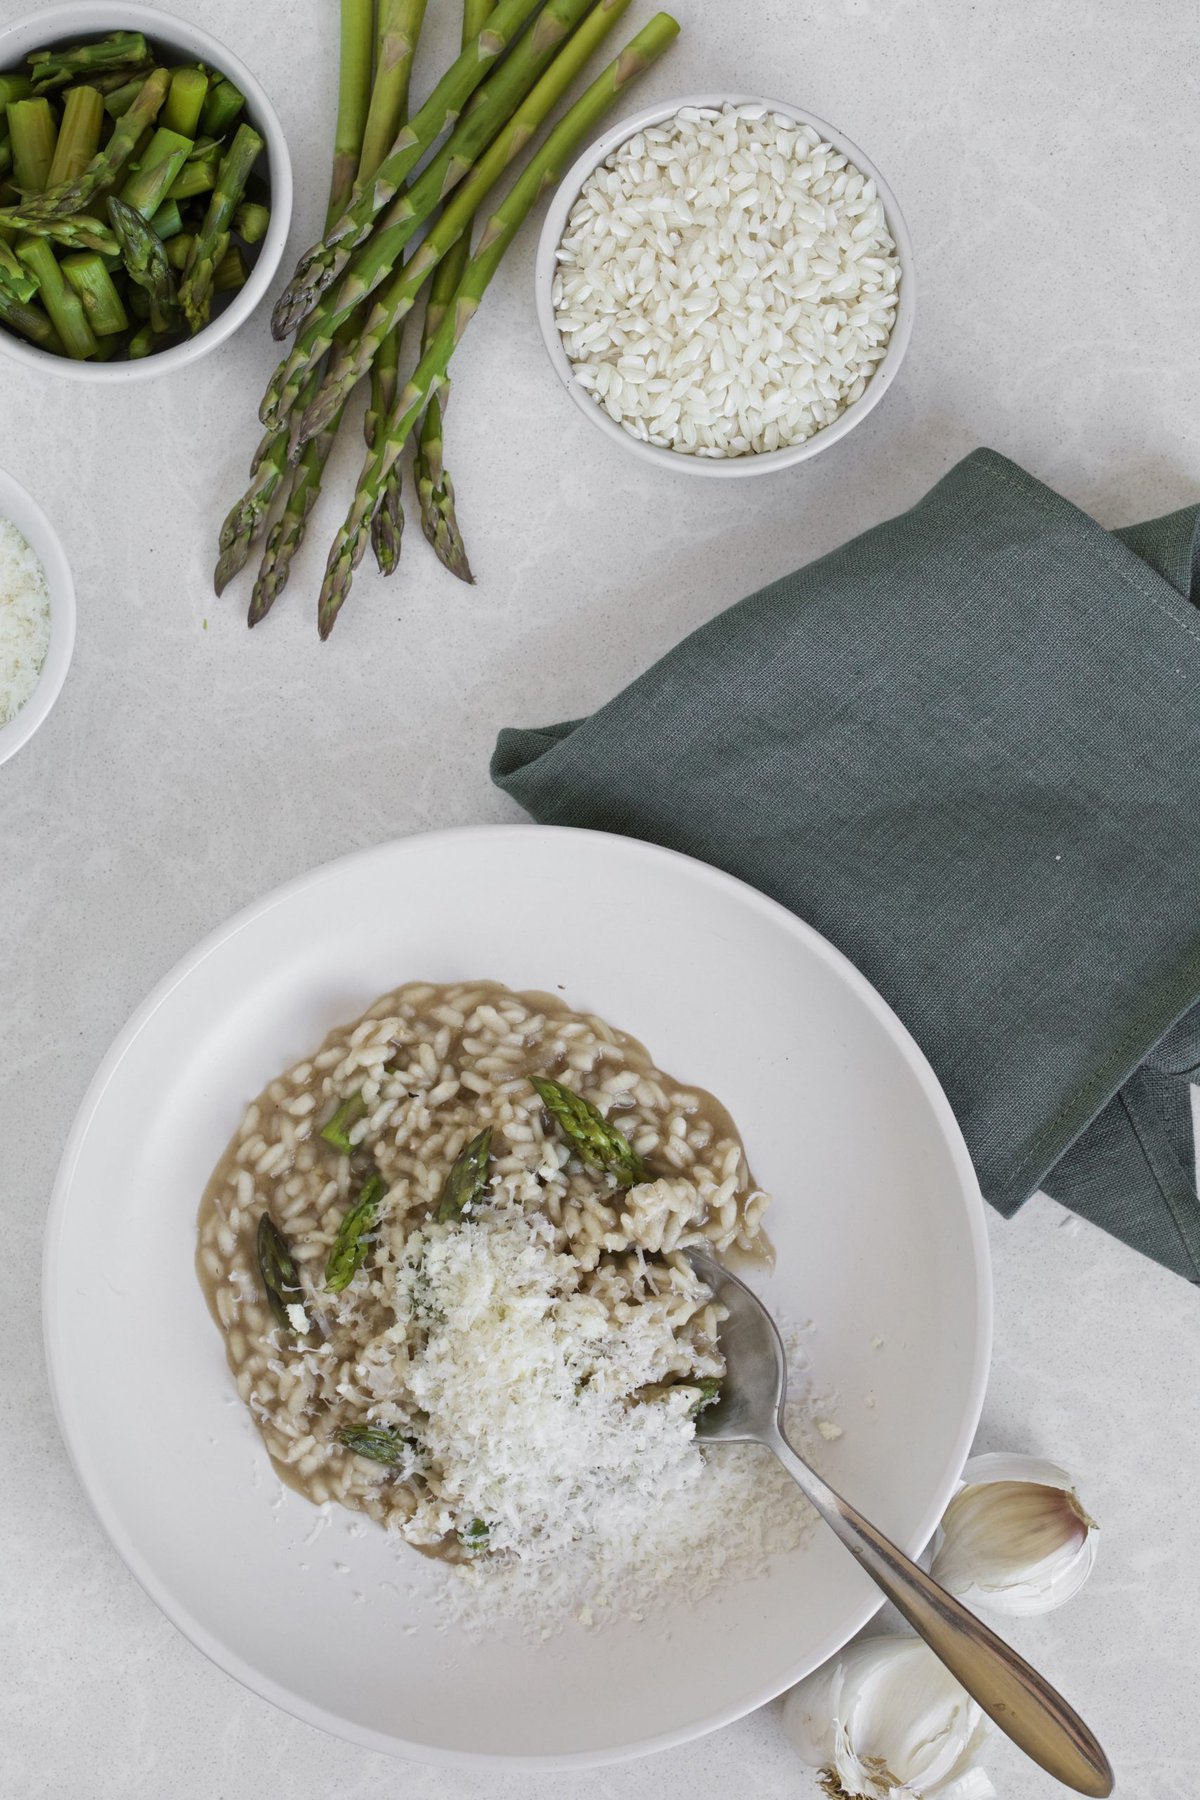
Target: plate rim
x,y
229,1661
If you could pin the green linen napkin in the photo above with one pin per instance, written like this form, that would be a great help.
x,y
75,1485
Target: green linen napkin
x,y
966,748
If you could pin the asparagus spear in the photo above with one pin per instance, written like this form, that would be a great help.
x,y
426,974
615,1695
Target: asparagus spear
x,y
185,102
379,1443
78,135
15,279
107,164
81,232
195,291
593,1138
355,51
33,135
30,321
197,176
222,107
466,1180
337,1131
318,267
59,298
281,1283
158,166
251,221
122,98
546,166
399,27
91,280
146,264
482,146
56,68
352,1242
168,221
12,89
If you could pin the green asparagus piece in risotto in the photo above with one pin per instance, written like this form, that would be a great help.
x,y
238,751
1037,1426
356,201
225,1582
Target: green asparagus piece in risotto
x,y
352,1242
378,1443
467,1178
593,1138
474,1536
348,1114
285,1296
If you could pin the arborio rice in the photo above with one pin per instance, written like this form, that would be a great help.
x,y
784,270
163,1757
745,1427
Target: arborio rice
x,y
727,283
535,1364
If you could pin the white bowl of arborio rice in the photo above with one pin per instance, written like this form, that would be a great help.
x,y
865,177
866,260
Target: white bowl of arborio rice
x,y
37,616
725,285
371,1323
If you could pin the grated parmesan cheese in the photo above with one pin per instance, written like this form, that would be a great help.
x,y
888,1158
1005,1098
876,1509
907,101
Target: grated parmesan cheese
x,y
24,620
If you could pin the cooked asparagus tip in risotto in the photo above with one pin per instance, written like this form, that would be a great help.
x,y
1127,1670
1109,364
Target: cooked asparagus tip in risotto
x,y
445,1254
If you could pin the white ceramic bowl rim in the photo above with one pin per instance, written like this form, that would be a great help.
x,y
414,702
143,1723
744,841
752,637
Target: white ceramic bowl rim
x,y
85,18
19,507
766,462
363,870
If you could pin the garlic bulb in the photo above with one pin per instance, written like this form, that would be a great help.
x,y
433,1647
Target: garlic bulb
x,y
885,1719
1015,1538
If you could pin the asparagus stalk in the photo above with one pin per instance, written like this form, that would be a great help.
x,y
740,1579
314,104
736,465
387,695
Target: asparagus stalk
x,y
185,102
398,299
144,342
231,272
281,1283
121,99
319,266
399,28
12,89
195,291
158,166
178,249
251,221
78,135
91,280
33,136
81,232
57,68
146,264
350,1246
546,166
30,321
222,107
59,298
379,1443
197,176
108,163
168,221
509,109
356,46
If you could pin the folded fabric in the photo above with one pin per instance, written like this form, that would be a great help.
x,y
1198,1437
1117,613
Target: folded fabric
x,y
966,748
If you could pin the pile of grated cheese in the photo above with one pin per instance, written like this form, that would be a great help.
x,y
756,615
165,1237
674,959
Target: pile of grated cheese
x,y
24,620
525,1385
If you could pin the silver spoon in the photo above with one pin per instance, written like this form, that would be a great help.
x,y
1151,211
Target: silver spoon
x,y
750,1411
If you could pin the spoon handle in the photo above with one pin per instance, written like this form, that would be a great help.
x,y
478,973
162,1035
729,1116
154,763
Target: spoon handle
x,y
1014,1695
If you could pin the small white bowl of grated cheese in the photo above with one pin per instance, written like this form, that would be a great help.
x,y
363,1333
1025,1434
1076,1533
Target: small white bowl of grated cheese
x,y
725,285
37,616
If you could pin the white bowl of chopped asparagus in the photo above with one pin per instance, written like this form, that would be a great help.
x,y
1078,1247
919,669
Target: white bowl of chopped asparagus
x,y
145,191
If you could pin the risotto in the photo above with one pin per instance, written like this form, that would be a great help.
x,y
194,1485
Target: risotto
x,y
446,1255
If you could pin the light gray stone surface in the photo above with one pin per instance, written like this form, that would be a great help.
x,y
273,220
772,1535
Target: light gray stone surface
x,y
1046,160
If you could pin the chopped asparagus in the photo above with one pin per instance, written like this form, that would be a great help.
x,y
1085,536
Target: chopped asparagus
x,y
168,221
108,163
378,1443
285,1296
467,1179
251,220
185,102
593,1138
144,342
12,89
222,107
80,232
195,290
159,164
118,103
179,247
56,68
33,135
30,321
146,263
59,298
197,176
474,1535
352,1242
337,1131
15,279
91,280
78,135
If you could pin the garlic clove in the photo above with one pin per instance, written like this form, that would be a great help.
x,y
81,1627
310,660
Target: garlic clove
x,y
886,1718
1015,1539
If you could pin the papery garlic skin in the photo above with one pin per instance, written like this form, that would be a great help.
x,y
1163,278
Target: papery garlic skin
x,y
1015,1538
885,1719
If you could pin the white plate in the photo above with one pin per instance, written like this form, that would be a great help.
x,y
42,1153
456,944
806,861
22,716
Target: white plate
x,y
878,1224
